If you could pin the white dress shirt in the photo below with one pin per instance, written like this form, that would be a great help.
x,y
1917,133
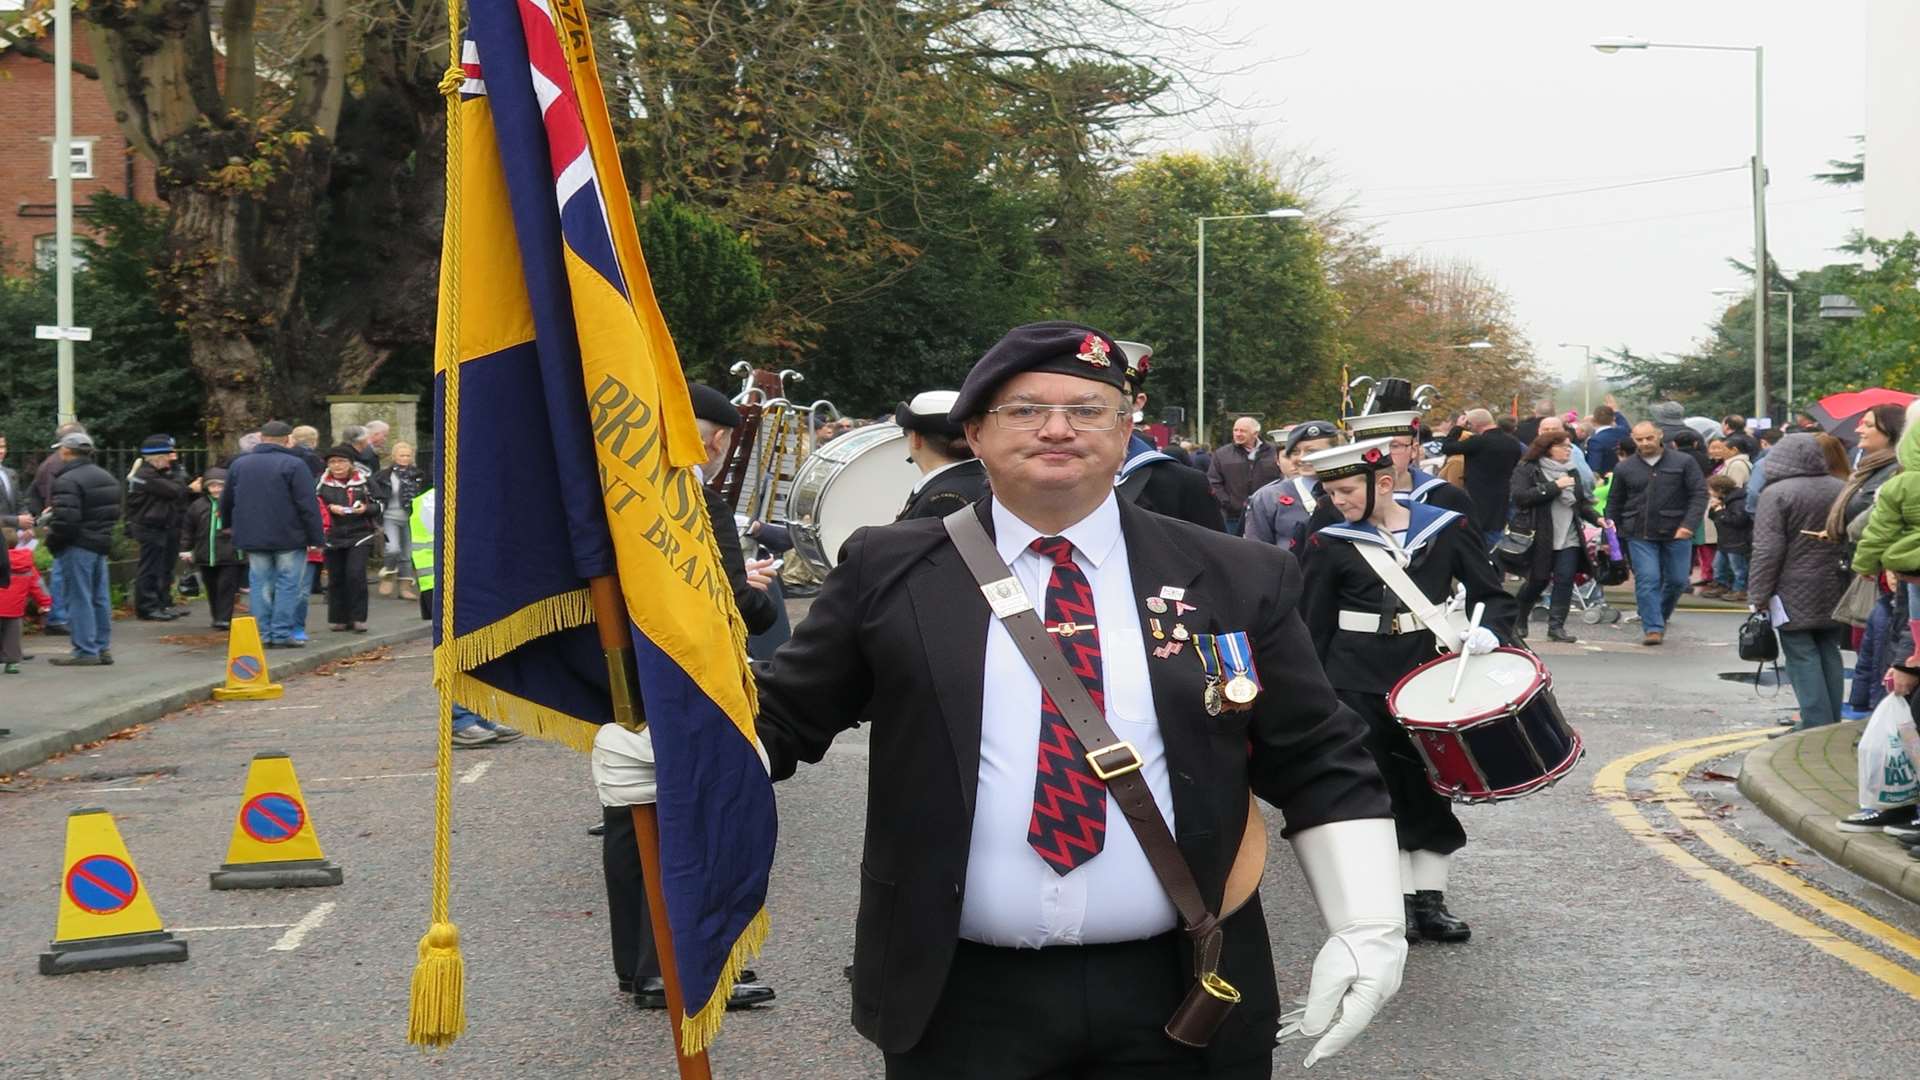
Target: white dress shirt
x,y
1013,898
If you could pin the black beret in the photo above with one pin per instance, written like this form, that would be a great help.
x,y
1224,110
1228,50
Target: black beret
x,y
1063,348
1311,429
927,414
276,429
712,406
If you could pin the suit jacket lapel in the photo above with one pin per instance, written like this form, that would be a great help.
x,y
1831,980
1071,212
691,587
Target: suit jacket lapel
x,y
952,618
1156,561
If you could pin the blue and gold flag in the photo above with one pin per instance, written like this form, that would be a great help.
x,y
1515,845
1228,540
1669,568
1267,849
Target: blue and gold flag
x,y
567,452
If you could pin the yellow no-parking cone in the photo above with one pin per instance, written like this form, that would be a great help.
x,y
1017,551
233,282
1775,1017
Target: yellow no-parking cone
x,y
106,918
273,845
246,665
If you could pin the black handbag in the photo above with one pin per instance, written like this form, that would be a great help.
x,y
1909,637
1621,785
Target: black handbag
x,y
1757,641
1513,552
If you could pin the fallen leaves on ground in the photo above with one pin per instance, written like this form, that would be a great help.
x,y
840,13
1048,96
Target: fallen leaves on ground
x,y
380,655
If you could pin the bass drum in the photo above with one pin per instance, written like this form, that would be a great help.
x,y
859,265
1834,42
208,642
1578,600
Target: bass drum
x,y
861,478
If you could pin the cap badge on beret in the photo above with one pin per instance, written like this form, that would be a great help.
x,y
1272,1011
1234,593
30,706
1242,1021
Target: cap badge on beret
x,y
1093,350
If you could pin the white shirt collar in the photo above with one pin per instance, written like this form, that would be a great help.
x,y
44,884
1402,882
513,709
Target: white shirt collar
x,y
1093,536
924,477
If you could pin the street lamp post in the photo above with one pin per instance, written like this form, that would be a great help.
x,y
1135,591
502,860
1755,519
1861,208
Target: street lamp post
x,y
1586,409
1759,167
1788,293
1200,313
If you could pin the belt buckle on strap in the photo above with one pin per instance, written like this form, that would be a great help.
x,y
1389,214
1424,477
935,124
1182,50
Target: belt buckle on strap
x,y
1131,764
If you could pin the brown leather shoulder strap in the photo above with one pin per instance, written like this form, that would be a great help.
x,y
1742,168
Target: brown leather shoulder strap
x,y
1113,760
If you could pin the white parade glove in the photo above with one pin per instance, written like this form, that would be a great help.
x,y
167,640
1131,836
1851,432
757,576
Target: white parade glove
x,y
1353,868
623,766
1479,641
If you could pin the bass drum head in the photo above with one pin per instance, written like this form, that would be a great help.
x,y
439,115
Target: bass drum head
x,y
861,478
1495,683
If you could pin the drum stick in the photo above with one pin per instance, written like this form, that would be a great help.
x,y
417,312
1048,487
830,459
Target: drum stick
x,y
1460,669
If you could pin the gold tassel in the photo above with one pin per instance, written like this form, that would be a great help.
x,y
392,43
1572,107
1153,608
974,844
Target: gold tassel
x,y
437,1012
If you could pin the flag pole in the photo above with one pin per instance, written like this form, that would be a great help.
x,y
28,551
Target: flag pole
x,y
610,618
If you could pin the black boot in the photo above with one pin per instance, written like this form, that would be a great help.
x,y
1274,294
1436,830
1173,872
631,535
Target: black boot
x,y
1435,922
1413,930
1520,626
1557,624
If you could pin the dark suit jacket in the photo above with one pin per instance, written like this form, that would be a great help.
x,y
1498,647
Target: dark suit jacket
x,y
1491,457
1233,477
1178,491
757,609
959,486
897,639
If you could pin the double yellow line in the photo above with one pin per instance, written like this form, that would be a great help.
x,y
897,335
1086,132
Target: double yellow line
x,y
1611,786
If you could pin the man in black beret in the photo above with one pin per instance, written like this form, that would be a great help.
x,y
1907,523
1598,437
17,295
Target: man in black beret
x,y
1013,920
636,963
950,476
1148,478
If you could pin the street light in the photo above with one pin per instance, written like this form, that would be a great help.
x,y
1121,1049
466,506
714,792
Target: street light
x,y
1473,345
1200,311
1588,349
1789,295
1759,167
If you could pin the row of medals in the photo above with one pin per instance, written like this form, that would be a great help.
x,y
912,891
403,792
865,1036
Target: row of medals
x,y
1240,690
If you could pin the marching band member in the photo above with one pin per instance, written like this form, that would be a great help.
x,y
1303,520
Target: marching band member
x,y
1280,512
1369,633
950,476
1153,480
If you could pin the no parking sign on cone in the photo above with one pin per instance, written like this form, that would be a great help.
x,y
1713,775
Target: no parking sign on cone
x,y
247,678
106,918
273,845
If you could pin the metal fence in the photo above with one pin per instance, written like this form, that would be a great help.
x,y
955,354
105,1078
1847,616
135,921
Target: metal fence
x,y
194,460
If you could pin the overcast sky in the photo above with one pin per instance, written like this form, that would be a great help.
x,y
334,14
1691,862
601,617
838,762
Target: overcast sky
x,y
1427,105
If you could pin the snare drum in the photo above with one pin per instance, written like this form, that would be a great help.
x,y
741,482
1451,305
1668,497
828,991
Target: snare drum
x,y
861,478
1502,737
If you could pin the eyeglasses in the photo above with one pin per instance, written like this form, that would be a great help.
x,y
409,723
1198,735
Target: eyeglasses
x,y
1080,417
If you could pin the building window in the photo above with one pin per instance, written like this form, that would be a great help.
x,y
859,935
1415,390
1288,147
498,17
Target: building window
x,y
80,152
46,245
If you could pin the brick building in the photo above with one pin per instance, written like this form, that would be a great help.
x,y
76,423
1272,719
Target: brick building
x,y
102,158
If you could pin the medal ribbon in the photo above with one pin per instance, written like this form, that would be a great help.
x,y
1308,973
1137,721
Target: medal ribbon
x,y
1237,656
1205,646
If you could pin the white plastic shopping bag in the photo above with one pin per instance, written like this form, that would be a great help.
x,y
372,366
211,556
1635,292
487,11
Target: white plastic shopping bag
x,y
1887,775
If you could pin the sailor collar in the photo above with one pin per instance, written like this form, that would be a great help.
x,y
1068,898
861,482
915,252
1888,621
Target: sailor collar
x,y
1421,484
1139,461
1424,522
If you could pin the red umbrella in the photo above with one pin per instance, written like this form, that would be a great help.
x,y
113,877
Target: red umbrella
x,y
1839,414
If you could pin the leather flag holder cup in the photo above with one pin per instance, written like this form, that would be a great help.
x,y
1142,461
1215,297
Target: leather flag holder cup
x,y
1116,762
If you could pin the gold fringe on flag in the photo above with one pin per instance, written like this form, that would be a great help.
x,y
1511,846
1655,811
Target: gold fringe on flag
x,y
699,1029
532,717
498,638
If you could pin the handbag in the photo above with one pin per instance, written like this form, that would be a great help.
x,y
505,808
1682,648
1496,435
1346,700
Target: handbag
x,y
1514,551
1757,641
1857,603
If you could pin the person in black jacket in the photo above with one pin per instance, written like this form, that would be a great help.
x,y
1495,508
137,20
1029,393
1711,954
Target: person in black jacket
x,y
396,486
950,476
1491,456
210,549
1551,501
156,507
1368,638
1727,507
85,507
1240,468
1655,495
353,519
1148,478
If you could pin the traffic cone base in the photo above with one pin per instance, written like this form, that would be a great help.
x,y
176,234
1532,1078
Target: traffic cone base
x,y
274,845
246,665
300,874
104,954
106,919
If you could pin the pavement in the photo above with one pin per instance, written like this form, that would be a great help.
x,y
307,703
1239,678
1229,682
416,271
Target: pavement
x,y
1806,781
1612,934
160,667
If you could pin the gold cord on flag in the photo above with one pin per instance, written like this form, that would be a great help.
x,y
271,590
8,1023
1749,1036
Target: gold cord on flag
x,y
437,1013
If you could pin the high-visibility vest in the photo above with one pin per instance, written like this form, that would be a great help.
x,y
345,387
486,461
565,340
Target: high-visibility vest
x,y
420,525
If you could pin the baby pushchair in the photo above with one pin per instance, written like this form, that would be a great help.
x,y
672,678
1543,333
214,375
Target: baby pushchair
x,y
1589,591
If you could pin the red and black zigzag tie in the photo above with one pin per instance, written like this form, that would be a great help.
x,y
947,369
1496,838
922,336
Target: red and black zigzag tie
x,y
1069,823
